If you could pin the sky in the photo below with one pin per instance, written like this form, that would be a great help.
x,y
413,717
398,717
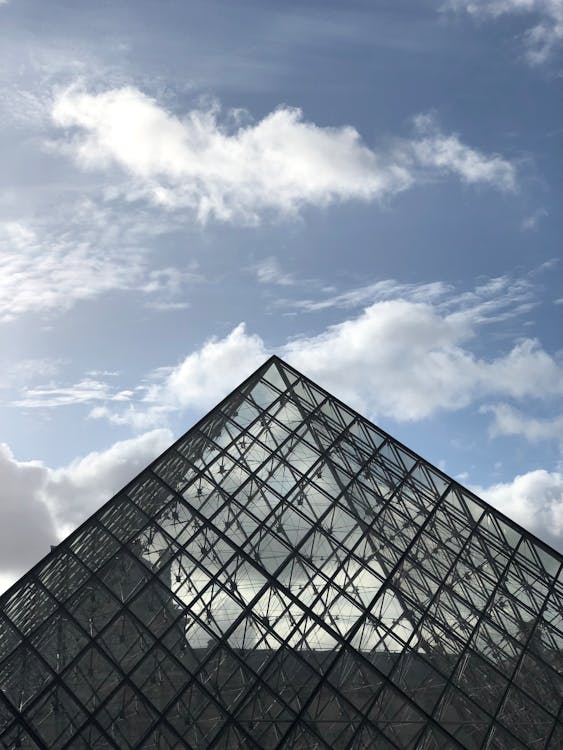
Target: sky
x,y
371,190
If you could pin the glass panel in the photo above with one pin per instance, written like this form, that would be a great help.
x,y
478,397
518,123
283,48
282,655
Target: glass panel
x,y
463,719
59,641
393,714
18,737
56,717
126,717
197,716
62,575
22,676
29,606
525,719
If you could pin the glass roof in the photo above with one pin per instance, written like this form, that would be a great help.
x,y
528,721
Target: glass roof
x,y
287,575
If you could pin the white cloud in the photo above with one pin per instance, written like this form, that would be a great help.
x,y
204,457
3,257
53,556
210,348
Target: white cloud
x,y
408,361
26,526
401,358
269,271
14,374
207,375
447,153
495,300
546,32
84,392
40,505
86,250
369,293
200,378
75,491
511,421
531,221
230,172
197,383
534,500
46,273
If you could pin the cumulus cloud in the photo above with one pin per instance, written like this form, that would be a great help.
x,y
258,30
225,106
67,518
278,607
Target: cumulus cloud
x,y
198,382
40,505
232,172
541,38
402,358
534,500
75,491
406,360
26,525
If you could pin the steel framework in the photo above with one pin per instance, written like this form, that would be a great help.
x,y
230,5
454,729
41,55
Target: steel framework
x,y
287,575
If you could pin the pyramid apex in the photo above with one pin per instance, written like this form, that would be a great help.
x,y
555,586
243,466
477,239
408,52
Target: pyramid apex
x,y
287,575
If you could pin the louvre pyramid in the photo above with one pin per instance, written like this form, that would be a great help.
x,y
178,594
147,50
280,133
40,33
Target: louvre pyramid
x,y
287,575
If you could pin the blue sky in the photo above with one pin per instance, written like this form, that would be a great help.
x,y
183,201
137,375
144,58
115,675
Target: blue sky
x,y
371,190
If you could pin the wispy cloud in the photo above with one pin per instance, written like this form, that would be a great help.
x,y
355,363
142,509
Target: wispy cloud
x,y
218,168
495,300
51,272
88,249
543,35
410,353
21,372
269,271
84,392
531,221
369,293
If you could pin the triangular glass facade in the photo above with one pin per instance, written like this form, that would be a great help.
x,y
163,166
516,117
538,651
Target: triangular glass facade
x,y
287,575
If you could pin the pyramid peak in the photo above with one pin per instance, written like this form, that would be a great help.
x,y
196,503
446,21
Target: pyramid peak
x,y
287,575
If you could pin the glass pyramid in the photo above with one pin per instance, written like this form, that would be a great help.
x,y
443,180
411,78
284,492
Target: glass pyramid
x,y
287,575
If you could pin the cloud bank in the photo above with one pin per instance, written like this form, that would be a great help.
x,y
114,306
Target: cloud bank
x,y
401,358
41,505
229,171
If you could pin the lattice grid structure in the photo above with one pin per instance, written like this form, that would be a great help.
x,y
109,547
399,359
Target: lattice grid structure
x,y
287,575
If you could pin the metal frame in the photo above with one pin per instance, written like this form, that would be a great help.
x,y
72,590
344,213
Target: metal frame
x,y
287,575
